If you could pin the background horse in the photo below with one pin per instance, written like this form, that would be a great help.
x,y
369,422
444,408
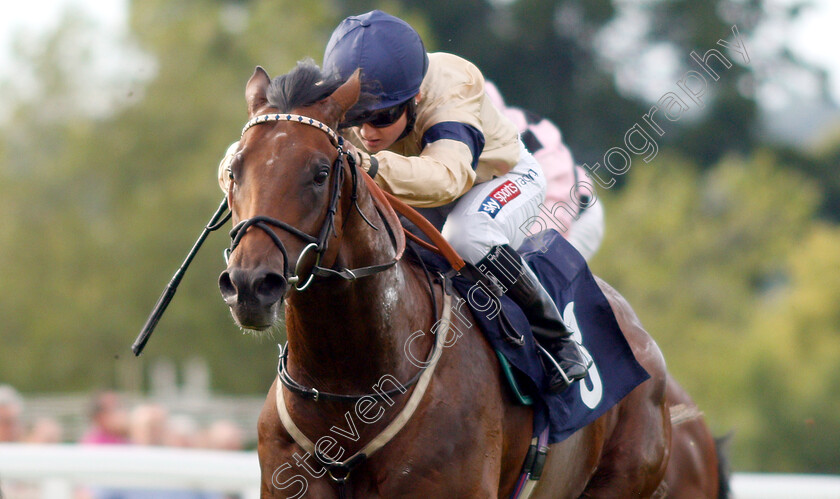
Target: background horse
x,y
290,186
697,466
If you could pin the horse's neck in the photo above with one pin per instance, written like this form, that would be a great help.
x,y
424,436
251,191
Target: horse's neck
x,y
344,336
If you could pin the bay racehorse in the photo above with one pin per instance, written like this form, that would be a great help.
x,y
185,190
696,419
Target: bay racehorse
x,y
312,234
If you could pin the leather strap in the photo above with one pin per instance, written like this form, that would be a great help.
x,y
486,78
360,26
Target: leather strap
x,y
387,212
397,423
441,246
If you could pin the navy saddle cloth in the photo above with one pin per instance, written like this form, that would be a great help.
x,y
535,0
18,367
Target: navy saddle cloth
x,y
566,276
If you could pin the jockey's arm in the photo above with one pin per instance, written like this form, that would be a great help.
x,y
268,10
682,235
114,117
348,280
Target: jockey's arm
x,y
458,139
441,173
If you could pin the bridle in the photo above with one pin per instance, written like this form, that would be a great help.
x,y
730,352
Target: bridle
x,y
318,244
339,471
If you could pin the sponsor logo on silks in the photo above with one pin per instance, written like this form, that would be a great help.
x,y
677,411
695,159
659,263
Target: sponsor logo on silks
x,y
501,196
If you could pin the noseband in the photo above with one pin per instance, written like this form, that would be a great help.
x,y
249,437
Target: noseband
x,y
318,245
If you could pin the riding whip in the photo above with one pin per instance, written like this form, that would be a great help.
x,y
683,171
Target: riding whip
x,y
219,219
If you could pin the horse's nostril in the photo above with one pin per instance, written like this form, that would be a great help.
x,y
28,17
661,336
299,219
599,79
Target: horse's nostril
x,y
227,288
251,287
271,288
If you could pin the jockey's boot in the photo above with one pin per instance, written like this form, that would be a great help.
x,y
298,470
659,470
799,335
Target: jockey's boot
x,y
563,358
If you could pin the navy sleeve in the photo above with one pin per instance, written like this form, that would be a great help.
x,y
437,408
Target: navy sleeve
x,y
461,132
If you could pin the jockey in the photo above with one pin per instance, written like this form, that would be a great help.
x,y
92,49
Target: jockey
x,y
584,228
435,140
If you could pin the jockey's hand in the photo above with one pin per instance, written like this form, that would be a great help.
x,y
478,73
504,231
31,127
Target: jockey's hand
x,y
365,161
353,151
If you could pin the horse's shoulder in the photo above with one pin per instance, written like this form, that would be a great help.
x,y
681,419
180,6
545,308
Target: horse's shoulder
x,y
644,347
622,310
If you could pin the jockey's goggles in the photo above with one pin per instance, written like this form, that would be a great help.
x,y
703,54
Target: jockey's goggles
x,y
383,117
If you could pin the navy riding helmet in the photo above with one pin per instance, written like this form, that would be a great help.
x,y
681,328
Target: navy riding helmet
x,y
387,49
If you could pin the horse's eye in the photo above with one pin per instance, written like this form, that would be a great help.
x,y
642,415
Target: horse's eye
x,y
233,162
321,176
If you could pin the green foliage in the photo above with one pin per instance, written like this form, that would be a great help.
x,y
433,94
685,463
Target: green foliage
x,y
739,286
821,164
719,254
548,56
795,348
100,212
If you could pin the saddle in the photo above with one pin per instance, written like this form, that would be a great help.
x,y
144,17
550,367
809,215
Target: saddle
x,y
565,275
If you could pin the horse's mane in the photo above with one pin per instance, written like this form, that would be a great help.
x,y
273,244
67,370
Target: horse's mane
x,y
305,85
302,86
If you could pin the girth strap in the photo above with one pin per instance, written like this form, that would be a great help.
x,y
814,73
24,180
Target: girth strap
x,y
532,468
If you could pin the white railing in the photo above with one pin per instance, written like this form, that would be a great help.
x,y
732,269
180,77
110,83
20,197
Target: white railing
x,y
57,471
784,486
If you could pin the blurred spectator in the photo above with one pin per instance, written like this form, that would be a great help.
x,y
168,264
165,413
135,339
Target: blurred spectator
x,y
11,430
45,431
181,431
109,420
577,214
149,424
224,435
11,406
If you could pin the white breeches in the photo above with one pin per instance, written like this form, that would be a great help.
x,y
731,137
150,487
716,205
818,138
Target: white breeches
x,y
493,213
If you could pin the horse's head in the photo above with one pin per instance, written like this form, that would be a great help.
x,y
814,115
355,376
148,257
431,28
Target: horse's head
x,y
285,183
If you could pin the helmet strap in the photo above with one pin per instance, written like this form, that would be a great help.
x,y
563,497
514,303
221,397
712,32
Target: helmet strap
x,y
411,118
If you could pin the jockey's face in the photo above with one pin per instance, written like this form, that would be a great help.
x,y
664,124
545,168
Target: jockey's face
x,y
377,139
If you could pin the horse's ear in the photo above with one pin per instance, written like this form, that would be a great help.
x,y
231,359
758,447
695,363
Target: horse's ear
x,y
255,91
348,93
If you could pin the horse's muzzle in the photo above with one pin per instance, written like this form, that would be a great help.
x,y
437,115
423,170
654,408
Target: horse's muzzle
x,y
253,295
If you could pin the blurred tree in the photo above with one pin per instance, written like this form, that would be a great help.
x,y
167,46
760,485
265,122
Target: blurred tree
x,y
100,210
722,267
596,67
822,163
792,363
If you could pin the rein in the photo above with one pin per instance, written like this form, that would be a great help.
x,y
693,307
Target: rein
x,y
385,204
339,471
318,244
